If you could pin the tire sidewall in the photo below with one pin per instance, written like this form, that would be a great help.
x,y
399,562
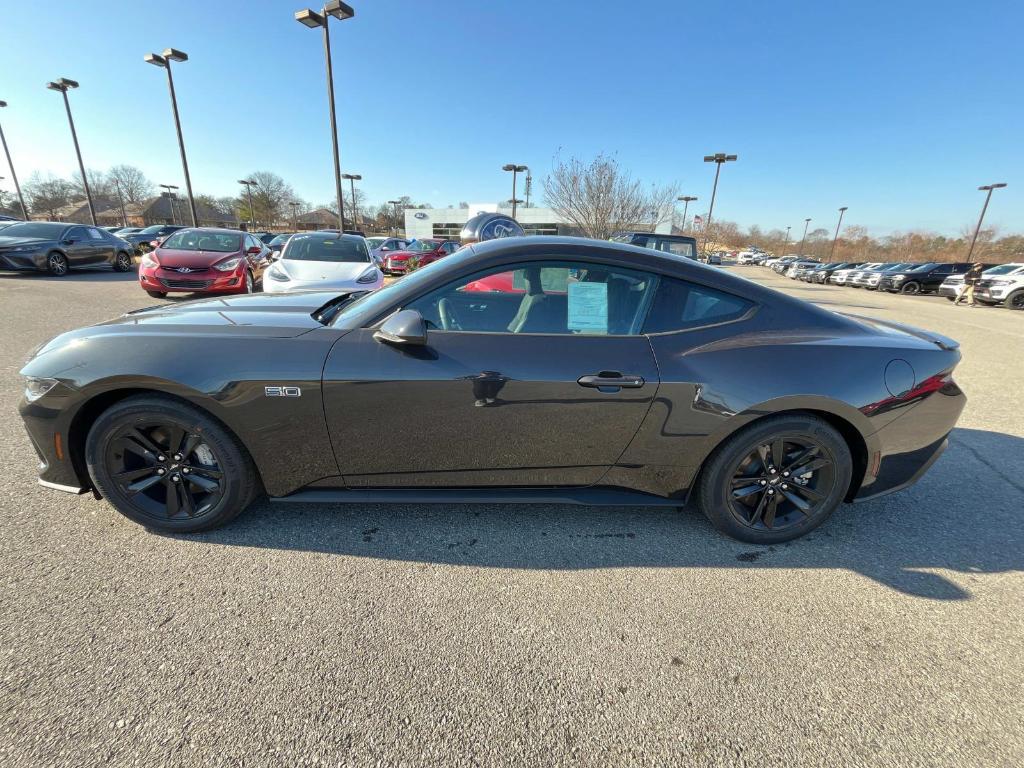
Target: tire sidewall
x,y
1016,295
917,288
235,464
718,471
57,255
118,266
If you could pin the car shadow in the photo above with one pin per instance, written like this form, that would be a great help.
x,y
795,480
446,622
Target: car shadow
x,y
930,541
101,273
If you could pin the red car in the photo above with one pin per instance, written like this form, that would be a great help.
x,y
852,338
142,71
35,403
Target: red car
x,y
425,252
204,260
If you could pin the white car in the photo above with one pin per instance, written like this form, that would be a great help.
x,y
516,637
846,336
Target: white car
x,y
380,247
953,284
323,261
747,257
1002,288
843,276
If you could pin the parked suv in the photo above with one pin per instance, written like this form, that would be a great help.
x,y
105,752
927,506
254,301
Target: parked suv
x,y
143,239
1007,288
922,278
680,245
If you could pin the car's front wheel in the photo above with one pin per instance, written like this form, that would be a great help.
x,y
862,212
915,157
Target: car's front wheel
x,y
168,465
123,262
157,294
776,479
57,264
910,288
1015,300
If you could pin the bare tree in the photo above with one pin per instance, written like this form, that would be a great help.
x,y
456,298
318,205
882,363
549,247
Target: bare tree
x,y
45,194
599,198
135,187
270,198
100,185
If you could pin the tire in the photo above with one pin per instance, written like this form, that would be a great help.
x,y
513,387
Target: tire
x,y
123,262
250,283
157,294
725,474
57,264
214,472
1015,300
912,288
951,298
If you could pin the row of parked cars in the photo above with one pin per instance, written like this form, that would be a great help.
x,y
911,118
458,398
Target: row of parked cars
x,y
998,283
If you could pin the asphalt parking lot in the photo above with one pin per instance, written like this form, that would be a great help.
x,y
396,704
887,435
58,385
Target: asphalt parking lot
x,y
893,635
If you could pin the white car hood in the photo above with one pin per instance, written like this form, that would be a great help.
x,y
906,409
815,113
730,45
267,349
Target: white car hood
x,y
328,271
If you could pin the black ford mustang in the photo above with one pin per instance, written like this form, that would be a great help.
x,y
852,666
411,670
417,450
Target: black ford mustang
x,y
519,370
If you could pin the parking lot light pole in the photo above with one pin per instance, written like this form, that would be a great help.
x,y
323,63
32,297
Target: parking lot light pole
x,y
395,203
164,61
171,193
352,179
14,176
804,238
987,188
249,184
785,243
835,239
120,200
63,85
687,199
295,221
312,19
515,169
717,159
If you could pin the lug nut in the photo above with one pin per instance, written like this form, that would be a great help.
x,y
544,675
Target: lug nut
x,y
773,470
177,457
161,458
175,478
785,474
771,491
185,470
161,471
784,486
764,482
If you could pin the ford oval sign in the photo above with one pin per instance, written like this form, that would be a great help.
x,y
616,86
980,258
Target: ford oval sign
x,y
420,215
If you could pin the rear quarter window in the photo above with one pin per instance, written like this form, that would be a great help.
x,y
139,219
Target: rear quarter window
x,y
679,306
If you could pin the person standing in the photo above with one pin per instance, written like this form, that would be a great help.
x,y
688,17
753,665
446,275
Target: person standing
x,y
971,280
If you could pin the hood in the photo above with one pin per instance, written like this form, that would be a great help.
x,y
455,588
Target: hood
x,y
172,259
280,315
7,242
331,271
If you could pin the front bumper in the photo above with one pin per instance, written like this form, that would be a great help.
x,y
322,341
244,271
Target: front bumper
x,y
200,281
393,267
342,286
949,290
21,261
48,426
996,295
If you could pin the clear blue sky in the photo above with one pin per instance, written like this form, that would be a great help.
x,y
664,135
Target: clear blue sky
x,y
897,109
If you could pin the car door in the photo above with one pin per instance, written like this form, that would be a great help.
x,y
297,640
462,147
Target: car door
x,y
80,248
257,254
542,381
104,245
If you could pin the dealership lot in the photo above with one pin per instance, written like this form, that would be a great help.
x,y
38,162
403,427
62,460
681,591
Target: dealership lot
x,y
539,635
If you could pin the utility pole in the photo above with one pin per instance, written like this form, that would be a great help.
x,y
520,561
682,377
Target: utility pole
x,y
987,188
835,239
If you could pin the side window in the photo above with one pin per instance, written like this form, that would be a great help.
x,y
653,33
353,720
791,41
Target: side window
x,y
95,234
679,305
250,242
677,248
78,234
643,241
945,269
556,297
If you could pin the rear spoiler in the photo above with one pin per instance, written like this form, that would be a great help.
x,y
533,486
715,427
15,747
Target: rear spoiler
x,y
942,342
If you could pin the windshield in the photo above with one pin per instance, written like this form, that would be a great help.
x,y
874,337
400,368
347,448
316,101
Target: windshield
x,y
200,240
34,229
375,242
320,248
1002,269
922,267
152,230
422,246
280,240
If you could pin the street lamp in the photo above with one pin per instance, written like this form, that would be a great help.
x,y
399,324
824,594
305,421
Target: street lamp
x,y
785,243
249,184
295,221
395,203
516,169
717,158
352,179
171,194
835,239
169,55
10,165
120,199
804,238
987,188
687,199
63,85
529,186
312,19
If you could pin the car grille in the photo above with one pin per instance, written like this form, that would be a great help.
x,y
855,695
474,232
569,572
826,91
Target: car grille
x,y
186,285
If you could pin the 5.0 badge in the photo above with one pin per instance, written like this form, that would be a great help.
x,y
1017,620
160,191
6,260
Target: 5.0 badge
x,y
282,391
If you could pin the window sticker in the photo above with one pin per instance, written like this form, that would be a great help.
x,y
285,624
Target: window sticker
x,y
588,307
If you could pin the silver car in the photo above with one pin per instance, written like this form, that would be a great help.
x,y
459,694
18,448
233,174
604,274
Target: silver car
x,y
380,247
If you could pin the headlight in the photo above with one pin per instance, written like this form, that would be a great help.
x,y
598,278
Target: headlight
x,y
898,278
368,276
1001,283
278,274
149,261
22,248
227,266
36,387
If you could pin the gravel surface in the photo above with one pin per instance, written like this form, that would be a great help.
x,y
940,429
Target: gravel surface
x,y
403,635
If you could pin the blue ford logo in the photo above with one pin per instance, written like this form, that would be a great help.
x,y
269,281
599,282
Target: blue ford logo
x,y
420,215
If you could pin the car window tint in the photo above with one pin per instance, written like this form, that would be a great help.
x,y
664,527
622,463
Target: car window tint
x,y
568,298
678,248
679,305
76,233
95,234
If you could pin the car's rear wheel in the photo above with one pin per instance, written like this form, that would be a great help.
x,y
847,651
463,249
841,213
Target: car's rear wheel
x,y
910,288
168,465
157,294
1015,300
123,262
57,264
776,479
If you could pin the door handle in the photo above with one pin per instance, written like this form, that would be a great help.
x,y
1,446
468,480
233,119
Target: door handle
x,y
610,379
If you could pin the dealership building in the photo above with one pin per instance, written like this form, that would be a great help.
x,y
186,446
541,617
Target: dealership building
x,y
447,223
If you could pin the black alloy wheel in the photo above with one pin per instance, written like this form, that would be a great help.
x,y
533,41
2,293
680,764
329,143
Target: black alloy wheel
x,y
57,264
168,465
910,288
123,262
1015,300
776,479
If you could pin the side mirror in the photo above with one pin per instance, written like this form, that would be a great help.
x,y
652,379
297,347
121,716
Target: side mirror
x,y
255,250
403,328
384,248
